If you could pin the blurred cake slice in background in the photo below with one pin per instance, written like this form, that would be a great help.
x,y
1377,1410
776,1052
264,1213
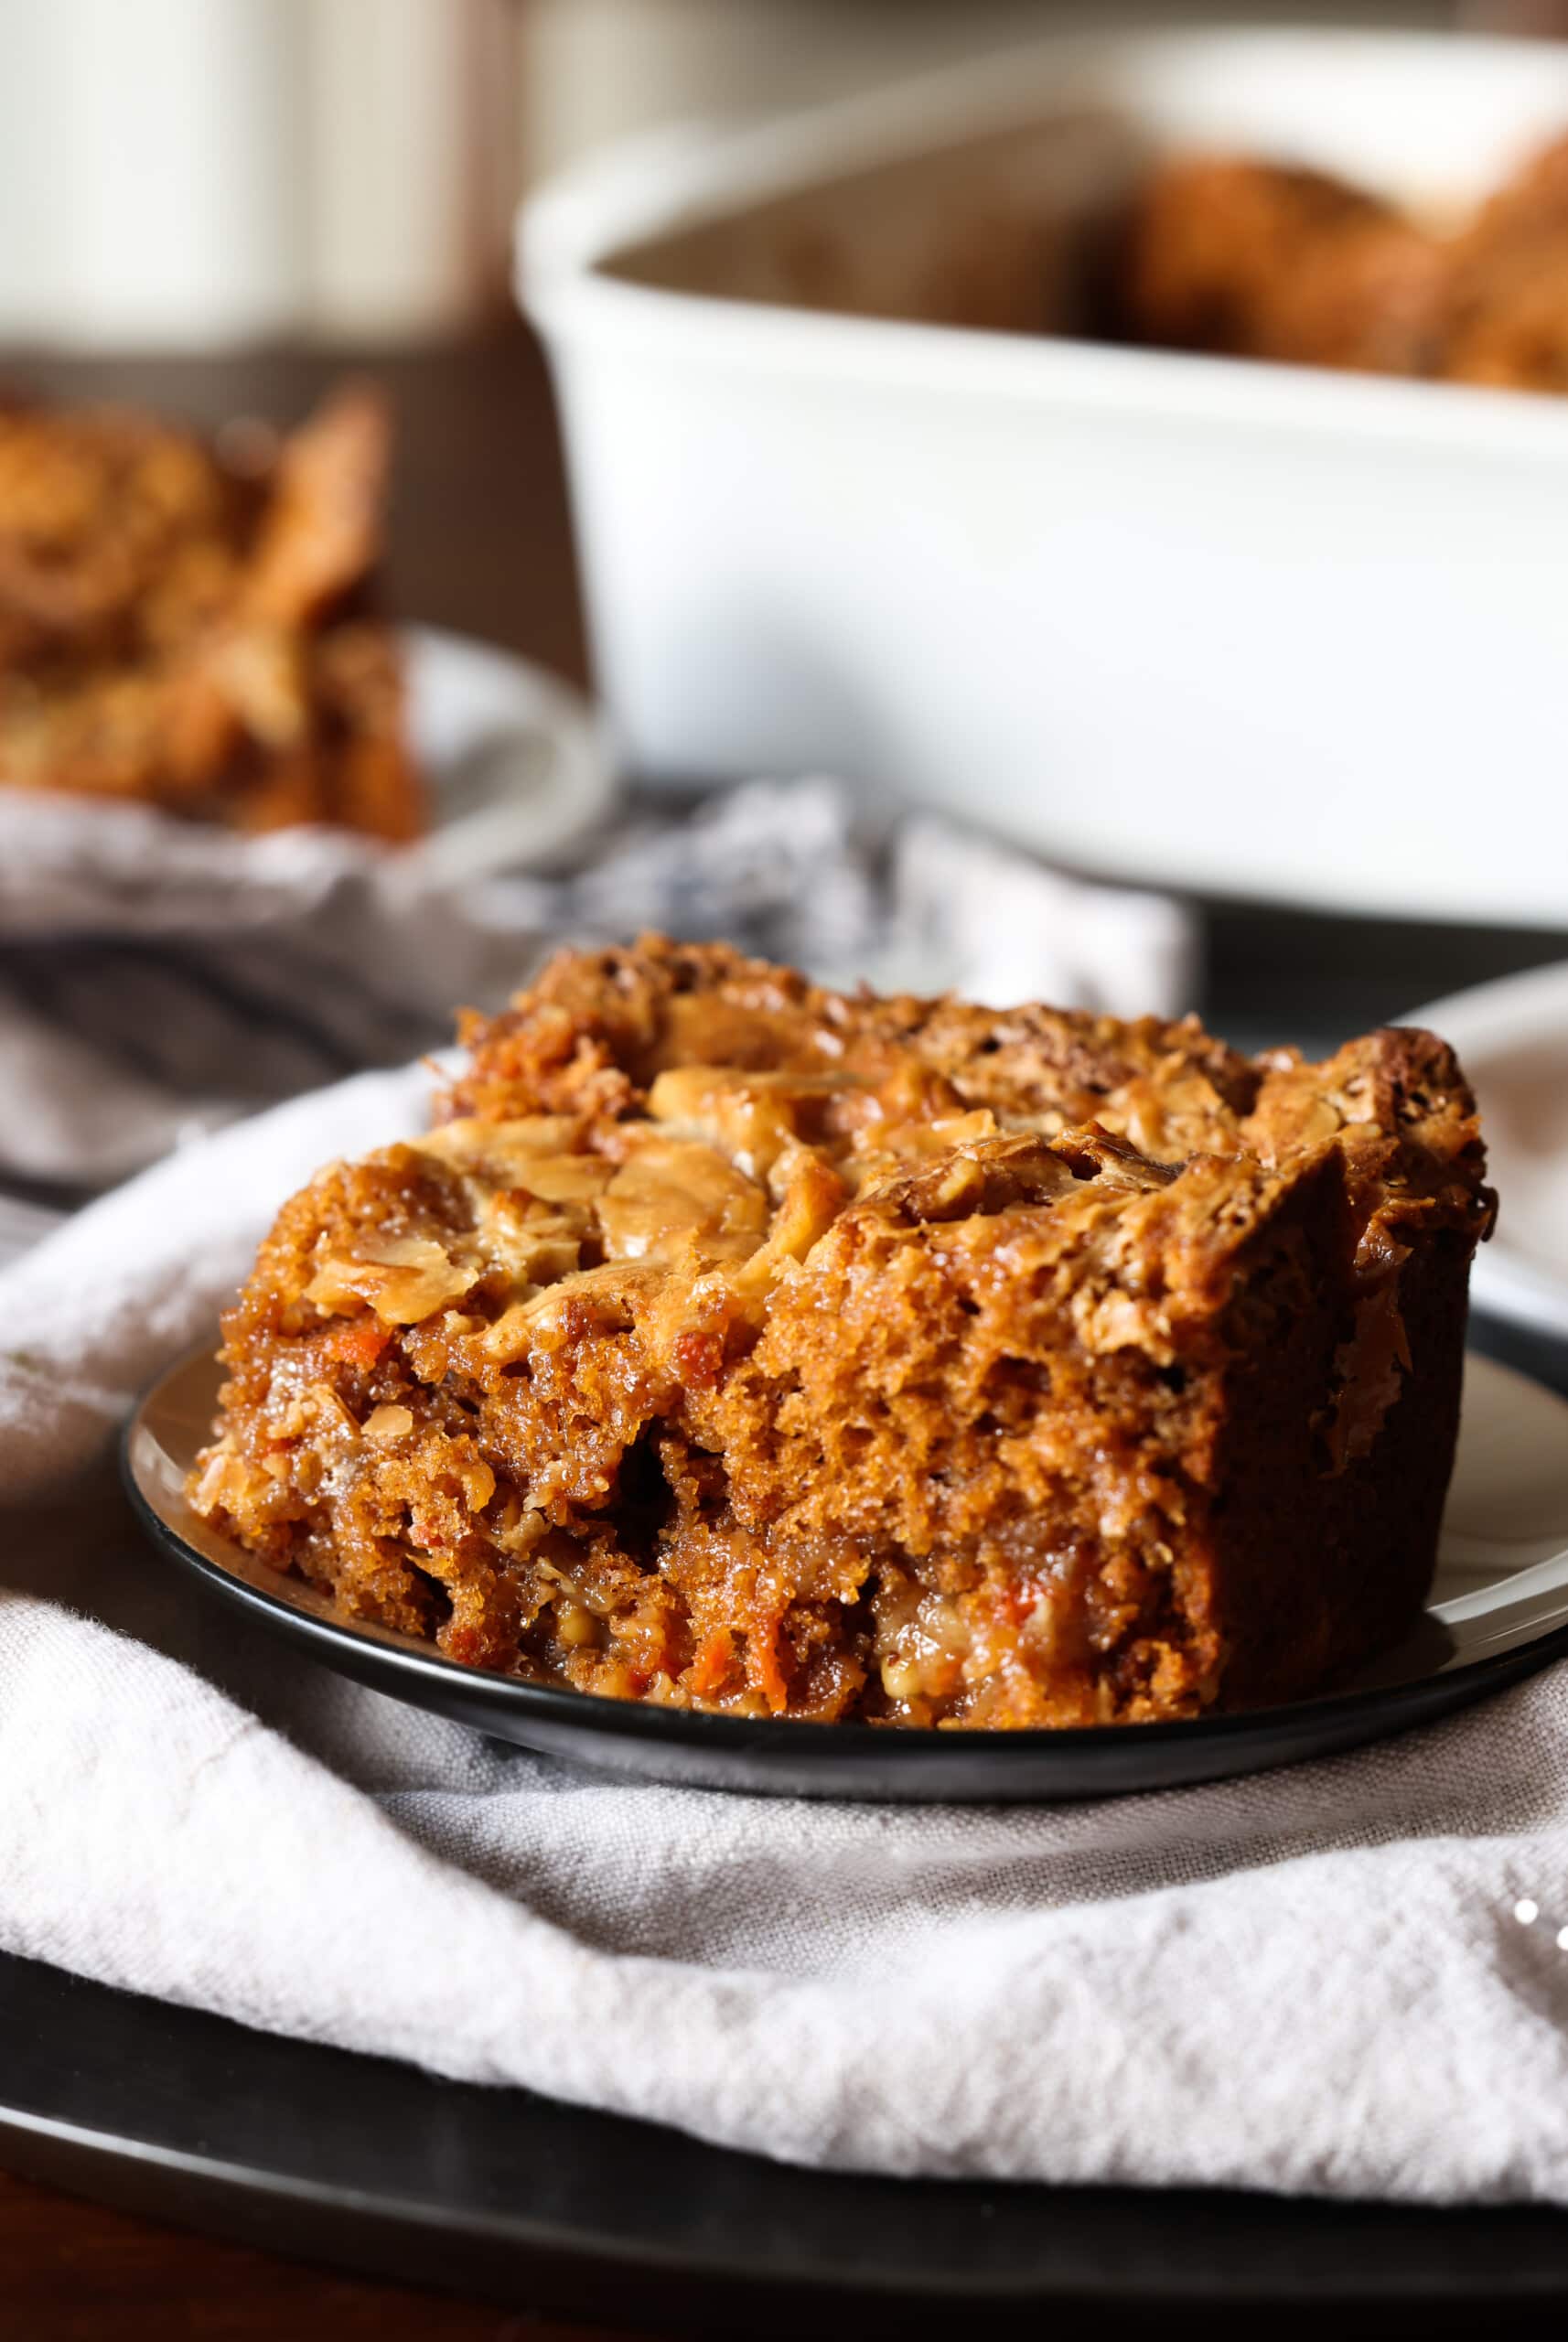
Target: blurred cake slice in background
x,y
191,626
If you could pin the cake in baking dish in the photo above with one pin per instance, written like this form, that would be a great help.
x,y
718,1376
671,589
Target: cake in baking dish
x,y
1255,259
732,1343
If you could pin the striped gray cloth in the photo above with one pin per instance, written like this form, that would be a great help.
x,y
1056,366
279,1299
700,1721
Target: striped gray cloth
x,y
149,998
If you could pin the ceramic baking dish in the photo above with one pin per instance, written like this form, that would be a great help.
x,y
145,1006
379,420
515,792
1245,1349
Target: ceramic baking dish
x,y
1243,628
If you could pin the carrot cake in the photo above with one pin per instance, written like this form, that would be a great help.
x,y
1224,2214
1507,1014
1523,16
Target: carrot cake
x,y
188,625
732,1343
1253,259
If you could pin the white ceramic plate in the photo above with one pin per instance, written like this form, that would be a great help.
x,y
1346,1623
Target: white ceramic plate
x,y
1512,1038
518,764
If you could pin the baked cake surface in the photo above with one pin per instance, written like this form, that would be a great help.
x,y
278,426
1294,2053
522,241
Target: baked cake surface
x,y
185,630
736,1343
1255,259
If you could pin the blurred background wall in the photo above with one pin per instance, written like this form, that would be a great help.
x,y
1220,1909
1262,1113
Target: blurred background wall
x,y
595,68
190,171
174,172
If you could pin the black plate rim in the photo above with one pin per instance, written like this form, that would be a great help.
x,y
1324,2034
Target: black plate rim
x,y
1293,1724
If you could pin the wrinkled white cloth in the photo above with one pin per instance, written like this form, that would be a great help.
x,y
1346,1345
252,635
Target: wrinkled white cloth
x,y
1311,1981
158,980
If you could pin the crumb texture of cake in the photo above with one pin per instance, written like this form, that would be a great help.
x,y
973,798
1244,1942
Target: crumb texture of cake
x,y
188,625
1254,259
734,1343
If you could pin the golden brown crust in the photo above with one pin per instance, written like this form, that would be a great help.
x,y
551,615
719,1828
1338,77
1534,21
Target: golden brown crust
x,y
738,1343
1259,260
1507,304
1263,260
179,632
597,1028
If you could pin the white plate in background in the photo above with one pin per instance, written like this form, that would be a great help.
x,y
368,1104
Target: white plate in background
x,y
1513,1040
517,771
517,763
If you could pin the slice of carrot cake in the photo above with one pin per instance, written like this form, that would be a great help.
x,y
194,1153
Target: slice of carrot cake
x,y
734,1343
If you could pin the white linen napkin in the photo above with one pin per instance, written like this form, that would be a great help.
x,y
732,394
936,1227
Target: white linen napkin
x,y
1311,1981
159,980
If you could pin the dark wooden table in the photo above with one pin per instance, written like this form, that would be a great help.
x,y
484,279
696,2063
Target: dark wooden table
x,y
71,2272
480,541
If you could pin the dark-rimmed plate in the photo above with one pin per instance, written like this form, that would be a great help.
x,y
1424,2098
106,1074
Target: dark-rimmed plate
x,y
1499,1611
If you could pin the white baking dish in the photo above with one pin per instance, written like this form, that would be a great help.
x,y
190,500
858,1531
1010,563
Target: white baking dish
x,y
1244,628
